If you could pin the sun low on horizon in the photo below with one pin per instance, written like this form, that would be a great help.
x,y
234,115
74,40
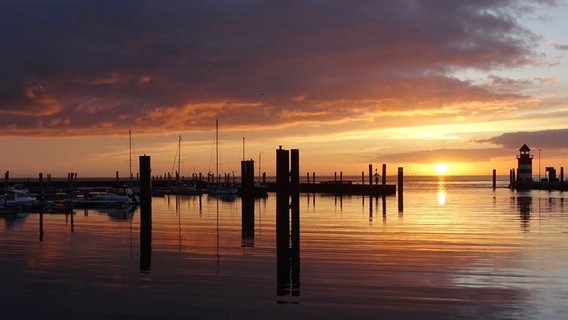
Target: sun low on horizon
x,y
441,168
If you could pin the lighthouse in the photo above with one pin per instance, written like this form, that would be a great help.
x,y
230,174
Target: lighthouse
x,y
524,167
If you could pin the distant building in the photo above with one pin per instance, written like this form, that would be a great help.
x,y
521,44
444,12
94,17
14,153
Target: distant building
x,y
524,167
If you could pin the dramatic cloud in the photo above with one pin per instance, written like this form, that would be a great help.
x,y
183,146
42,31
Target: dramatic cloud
x,y
549,139
97,67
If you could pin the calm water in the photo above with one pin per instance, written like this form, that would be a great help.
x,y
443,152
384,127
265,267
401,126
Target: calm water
x,y
454,249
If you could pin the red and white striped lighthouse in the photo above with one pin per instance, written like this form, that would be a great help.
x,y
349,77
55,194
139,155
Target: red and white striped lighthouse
x,y
524,166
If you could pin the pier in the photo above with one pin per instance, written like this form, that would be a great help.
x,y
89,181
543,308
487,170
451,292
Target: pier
x,y
522,177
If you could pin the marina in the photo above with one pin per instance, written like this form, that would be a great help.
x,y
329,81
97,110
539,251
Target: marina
x,y
458,249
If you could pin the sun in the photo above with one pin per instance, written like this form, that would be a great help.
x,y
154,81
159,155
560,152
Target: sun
x,y
441,168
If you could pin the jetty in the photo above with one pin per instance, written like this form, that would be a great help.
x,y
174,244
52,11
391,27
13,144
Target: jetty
x,y
61,188
522,178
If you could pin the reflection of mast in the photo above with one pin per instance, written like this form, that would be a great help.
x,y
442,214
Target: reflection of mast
x,y
218,254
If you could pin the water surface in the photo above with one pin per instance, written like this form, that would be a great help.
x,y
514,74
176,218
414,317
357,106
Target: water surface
x,y
454,248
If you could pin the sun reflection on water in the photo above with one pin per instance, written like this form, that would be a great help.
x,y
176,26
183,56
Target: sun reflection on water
x,y
441,192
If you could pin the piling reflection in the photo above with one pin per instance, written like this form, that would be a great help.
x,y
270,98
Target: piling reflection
x,y
524,205
441,192
287,244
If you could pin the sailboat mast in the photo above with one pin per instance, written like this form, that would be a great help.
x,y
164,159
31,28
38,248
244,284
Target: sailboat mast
x,y
217,149
130,154
179,156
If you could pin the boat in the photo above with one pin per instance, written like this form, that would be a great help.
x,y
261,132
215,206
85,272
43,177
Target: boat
x,y
111,198
16,197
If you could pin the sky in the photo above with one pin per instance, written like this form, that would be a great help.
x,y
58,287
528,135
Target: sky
x,y
408,83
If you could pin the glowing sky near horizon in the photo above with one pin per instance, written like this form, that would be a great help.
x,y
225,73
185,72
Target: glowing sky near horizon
x,y
407,83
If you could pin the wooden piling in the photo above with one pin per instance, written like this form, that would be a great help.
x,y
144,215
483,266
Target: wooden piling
x,y
288,186
400,180
494,179
247,178
247,203
145,213
370,174
282,221
362,177
295,199
400,190
6,181
384,174
561,178
41,198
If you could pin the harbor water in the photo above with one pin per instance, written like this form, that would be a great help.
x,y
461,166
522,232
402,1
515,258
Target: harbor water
x,y
453,248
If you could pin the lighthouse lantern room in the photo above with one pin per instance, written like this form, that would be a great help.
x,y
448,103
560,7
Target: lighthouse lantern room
x,y
524,167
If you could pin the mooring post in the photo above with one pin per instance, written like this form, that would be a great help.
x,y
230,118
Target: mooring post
x,y
295,201
561,178
247,177
282,220
362,177
41,197
308,177
6,180
370,174
400,190
335,176
313,177
247,203
145,213
384,174
494,179
400,180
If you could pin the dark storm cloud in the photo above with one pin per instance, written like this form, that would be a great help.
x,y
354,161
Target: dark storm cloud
x,y
549,139
98,65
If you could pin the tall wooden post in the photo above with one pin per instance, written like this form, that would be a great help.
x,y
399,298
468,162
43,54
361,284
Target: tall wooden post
x,y
41,200
370,174
6,181
288,186
400,190
295,221
494,179
561,178
247,203
282,221
145,214
384,174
